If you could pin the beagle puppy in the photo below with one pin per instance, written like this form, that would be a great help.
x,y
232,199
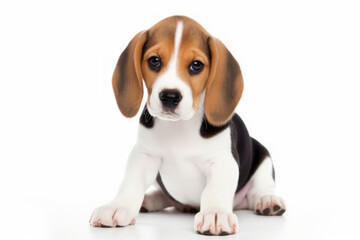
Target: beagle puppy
x,y
190,143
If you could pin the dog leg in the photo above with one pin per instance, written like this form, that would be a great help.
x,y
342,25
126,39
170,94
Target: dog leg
x,y
216,216
155,201
141,171
261,196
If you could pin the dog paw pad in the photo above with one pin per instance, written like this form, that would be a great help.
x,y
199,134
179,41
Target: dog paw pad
x,y
270,205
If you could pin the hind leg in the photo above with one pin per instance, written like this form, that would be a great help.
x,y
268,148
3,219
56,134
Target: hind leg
x,y
155,201
261,196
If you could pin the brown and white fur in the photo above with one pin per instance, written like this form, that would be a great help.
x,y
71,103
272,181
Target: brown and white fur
x,y
190,143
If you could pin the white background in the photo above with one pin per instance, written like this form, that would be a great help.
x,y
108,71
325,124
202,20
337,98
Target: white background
x,y
64,144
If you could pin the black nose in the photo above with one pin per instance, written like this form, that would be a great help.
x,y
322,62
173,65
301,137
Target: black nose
x,y
170,98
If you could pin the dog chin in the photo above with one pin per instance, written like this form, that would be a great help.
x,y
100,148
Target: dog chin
x,y
169,117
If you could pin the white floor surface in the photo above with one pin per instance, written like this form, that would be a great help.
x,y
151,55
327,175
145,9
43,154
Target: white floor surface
x,y
55,220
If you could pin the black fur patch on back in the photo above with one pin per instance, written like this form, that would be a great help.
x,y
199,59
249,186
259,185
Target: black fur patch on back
x,y
146,119
207,130
247,151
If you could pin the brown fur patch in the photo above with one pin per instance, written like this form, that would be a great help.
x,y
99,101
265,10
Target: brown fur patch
x,y
127,77
160,44
189,53
194,47
225,84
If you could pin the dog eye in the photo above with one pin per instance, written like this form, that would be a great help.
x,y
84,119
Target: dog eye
x,y
154,63
195,67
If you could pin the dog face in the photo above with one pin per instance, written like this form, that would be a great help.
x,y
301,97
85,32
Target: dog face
x,y
184,68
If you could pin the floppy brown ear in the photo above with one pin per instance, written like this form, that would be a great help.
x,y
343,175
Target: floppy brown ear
x,y
127,78
224,86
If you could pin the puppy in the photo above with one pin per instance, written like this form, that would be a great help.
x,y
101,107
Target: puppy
x,y
190,144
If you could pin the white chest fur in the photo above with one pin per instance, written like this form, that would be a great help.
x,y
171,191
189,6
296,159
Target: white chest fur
x,y
185,155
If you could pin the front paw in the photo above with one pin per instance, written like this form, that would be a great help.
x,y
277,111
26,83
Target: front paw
x,y
215,223
112,216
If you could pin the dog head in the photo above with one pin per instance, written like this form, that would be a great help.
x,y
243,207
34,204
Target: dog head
x,y
184,68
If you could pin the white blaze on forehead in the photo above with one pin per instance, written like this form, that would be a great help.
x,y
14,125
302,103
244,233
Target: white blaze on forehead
x,y
178,35
170,79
